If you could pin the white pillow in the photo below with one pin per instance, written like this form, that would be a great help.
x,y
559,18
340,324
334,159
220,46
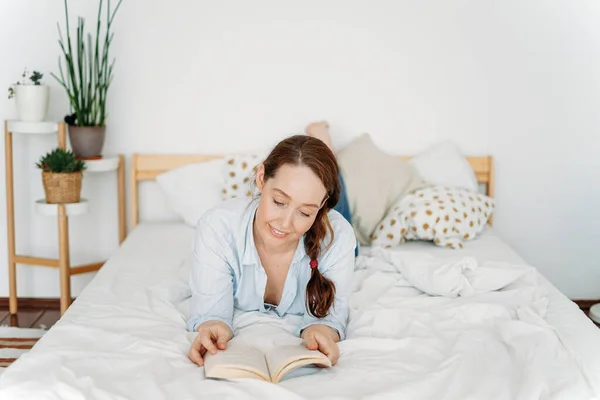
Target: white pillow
x,y
443,165
193,189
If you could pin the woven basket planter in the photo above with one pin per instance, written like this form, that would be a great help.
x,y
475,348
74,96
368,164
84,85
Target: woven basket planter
x,y
62,187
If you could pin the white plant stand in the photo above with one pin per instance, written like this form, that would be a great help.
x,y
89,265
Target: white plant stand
x,y
61,211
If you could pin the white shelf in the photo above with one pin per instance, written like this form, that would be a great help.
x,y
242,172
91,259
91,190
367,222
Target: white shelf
x,y
51,210
33,128
103,165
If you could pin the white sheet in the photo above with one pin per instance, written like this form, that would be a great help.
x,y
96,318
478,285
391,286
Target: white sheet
x,y
125,338
573,327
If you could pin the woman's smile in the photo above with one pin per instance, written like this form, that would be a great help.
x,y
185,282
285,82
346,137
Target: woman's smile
x,y
277,233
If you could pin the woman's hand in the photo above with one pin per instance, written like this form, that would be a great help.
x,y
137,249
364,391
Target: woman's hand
x,y
323,338
212,335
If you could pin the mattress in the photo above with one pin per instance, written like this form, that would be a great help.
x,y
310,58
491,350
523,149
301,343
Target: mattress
x,y
124,337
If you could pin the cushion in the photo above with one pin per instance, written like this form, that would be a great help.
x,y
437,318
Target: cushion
x,y
193,189
238,178
443,164
374,181
447,216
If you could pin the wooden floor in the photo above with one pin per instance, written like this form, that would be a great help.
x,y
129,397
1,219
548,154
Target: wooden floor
x,y
30,318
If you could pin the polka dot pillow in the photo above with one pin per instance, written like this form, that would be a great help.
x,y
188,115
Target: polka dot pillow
x,y
445,215
239,175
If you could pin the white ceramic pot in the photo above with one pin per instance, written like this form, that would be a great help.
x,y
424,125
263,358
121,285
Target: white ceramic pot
x,y
32,102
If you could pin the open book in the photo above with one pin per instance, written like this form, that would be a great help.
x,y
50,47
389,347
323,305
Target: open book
x,y
241,361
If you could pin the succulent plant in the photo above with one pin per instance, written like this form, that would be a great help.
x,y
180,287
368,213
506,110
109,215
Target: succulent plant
x,y
60,160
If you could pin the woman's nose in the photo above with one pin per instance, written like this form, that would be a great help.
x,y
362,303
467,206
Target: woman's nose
x,y
286,220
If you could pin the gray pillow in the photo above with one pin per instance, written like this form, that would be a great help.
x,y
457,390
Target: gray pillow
x,y
374,180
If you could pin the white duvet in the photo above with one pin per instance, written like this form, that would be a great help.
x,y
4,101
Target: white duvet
x,y
421,327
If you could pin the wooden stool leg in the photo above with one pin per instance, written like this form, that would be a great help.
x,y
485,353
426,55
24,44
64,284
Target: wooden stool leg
x,y
62,135
10,221
121,196
12,277
63,259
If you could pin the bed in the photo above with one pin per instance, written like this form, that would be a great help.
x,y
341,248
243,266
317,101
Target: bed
x,y
124,337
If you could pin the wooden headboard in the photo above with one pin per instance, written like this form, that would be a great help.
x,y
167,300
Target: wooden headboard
x,y
146,167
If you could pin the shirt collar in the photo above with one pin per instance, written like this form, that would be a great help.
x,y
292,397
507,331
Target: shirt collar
x,y
250,254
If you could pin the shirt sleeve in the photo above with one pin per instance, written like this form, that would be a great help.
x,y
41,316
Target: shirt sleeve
x,y
340,271
211,280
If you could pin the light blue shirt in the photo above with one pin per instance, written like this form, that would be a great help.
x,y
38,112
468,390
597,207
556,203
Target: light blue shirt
x,y
227,271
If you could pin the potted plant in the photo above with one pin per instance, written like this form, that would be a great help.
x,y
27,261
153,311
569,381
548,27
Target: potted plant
x,y
86,79
61,176
31,97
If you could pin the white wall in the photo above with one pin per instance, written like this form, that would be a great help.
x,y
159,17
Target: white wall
x,y
518,80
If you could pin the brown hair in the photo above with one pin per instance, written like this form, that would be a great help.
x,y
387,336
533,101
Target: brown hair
x,y
313,153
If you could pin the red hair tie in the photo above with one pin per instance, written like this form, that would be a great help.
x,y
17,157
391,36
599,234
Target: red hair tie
x,y
314,264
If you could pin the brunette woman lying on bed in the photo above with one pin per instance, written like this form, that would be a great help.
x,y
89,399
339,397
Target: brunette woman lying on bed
x,y
290,250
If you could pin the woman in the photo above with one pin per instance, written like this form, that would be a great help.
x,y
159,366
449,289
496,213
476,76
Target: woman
x,y
286,251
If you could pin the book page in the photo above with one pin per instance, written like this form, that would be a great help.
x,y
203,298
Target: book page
x,y
236,361
284,359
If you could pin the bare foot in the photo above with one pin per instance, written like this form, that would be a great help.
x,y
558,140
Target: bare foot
x,y
320,130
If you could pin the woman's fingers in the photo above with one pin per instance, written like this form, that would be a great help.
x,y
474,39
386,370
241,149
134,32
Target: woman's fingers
x,y
224,335
310,342
212,336
327,347
196,352
195,357
323,343
206,339
222,342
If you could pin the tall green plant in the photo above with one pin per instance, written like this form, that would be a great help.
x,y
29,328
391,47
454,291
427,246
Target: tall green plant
x,y
88,72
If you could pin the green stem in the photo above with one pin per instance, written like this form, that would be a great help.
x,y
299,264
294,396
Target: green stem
x,y
88,73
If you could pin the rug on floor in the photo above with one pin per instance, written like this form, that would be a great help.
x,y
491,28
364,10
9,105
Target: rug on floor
x,y
16,341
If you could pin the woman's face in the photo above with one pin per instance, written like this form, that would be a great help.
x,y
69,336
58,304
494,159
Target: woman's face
x,y
289,204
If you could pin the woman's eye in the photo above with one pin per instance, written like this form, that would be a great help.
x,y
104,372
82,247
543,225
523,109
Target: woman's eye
x,y
277,203
304,214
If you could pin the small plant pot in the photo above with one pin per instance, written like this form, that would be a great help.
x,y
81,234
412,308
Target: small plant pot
x,y
87,141
62,187
31,102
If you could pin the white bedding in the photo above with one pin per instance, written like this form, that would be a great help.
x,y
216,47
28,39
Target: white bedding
x,y
124,337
